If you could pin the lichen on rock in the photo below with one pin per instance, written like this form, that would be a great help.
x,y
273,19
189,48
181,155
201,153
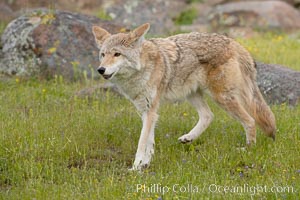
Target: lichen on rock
x,y
18,57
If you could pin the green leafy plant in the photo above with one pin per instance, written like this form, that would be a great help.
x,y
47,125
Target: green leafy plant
x,y
102,14
194,1
2,27
186,17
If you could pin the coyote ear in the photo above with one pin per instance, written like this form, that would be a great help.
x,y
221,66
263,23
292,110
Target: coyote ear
x,y
137,35
100,35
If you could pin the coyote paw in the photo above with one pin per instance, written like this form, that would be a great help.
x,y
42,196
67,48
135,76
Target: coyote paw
x,y
186,138
251,141
140,164
139,167
142,161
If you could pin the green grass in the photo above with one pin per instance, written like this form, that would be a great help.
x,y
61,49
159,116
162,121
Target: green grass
x,y
2,27
273,48
194,1
101,14
186,17
54,145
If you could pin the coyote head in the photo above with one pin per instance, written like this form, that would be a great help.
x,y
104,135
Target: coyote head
x,y
120,53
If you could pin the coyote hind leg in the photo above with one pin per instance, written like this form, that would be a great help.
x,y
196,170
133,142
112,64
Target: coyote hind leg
x,y
205,117
233,106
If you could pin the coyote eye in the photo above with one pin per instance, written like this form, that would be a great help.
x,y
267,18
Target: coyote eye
x,y
117,54
102,54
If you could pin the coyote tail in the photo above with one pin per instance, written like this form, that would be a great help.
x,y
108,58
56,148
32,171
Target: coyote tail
x,y
256,105
261,112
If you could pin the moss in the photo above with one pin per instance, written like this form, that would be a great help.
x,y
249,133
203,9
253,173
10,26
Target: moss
x,y
186,17
102,14
18,57
2,27
194,1
47,17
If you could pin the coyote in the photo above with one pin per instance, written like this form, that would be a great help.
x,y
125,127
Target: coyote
x,y
183,66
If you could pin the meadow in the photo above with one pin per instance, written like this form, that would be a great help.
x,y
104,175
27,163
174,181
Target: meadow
x,y
57,145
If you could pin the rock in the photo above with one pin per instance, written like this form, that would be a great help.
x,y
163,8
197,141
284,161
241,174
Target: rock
x,y
276,15
127,12
157,12
200,22
84,6
215,2
47,43
278,84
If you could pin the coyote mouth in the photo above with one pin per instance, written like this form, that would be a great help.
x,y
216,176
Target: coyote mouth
x,y
108,76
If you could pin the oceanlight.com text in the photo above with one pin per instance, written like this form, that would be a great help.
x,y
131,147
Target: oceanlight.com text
x,y
250,189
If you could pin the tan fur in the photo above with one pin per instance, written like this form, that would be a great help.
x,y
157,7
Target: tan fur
x,y
183,66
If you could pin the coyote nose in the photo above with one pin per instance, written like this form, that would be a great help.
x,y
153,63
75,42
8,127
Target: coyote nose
x,y
101,70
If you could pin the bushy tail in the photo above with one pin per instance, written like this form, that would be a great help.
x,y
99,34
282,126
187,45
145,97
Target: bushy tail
x,y
253,99
262,113
255,103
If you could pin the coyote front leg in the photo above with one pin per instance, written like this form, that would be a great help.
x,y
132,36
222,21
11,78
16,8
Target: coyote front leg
x,y
205,117
146,142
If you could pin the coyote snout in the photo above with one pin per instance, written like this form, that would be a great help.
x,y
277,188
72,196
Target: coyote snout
x,y
101,70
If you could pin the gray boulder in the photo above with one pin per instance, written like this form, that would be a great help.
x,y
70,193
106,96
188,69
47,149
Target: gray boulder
x,y
277,15
278,84
47,43
159,13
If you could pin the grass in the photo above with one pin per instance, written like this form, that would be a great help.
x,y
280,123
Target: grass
x,y
273,48
186,17
194,1
55,145
2,27
101,14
